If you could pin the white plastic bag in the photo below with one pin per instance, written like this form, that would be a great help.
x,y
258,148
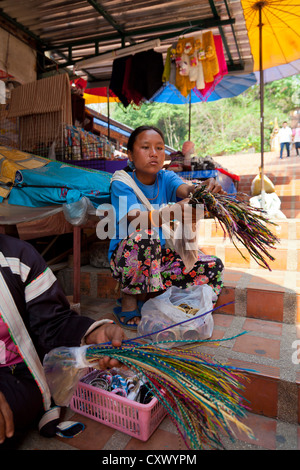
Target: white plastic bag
x,y
272,205
77,212
63,375
167,310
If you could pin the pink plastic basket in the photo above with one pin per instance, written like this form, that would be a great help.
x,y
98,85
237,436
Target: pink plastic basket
x,y
128,416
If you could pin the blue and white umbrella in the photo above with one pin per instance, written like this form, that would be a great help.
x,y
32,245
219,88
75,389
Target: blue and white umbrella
x,y
228,87
280,71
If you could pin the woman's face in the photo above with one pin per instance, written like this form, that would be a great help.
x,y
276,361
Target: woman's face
x,y
148,154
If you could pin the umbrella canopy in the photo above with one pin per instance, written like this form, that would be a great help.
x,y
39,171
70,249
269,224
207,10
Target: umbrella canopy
x,y
280,25
95,99
281,71
228,87
99,95
273,30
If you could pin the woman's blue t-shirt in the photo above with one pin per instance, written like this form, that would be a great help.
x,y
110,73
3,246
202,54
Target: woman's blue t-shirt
x,y
124,199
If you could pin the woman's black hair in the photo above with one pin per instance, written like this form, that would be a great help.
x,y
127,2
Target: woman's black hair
x,y
138,131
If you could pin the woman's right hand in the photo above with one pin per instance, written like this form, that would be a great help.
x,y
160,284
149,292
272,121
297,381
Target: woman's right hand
x,y
6,419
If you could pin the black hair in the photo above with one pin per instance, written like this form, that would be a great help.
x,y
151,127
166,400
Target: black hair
x,y
138,131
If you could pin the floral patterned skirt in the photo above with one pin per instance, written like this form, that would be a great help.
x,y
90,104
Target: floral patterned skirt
x,y
142,265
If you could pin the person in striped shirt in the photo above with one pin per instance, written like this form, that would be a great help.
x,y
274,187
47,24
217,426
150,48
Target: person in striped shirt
x,y
35,317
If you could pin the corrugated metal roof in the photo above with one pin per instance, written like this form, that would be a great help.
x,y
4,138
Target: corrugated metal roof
x,y
69,31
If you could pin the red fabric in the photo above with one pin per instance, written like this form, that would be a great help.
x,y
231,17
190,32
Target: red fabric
x,y
127,88
232,176
4,74
9,353
80,83
101,91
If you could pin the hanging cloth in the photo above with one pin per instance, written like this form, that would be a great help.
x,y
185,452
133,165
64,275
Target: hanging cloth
x,y
209,87
146,73
167,67
210,62
117,77
128,90
196,66
169,73
184,49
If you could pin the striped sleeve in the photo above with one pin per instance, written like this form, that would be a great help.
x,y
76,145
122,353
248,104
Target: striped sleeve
x,y
39,285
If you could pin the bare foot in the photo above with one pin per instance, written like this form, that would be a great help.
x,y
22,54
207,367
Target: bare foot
x,y
129,303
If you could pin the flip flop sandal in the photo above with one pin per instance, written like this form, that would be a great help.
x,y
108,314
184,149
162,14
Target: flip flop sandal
x,y
118,314
69,429
140,303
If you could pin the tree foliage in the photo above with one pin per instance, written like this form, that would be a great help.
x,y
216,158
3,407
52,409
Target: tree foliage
x,y
226,126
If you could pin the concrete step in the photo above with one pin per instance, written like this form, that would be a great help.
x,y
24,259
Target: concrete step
x,y
285,253
253,293
287,188
266,352
261,294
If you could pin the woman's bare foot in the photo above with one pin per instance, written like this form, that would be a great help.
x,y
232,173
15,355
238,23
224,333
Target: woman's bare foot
x,y
129,303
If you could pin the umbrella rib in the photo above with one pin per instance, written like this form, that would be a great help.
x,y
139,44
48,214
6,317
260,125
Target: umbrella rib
x,y
281,11
284,22
275,38
280,2
248,12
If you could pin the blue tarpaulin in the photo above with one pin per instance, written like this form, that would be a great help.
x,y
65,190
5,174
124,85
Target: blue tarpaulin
x,y
59,183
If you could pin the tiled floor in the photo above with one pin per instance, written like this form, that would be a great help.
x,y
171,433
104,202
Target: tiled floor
x,y
270,433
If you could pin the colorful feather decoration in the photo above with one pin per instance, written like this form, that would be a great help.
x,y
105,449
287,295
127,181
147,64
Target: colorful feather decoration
x,y
201,395
240,221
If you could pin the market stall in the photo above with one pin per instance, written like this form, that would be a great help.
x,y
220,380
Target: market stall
x,y
63,196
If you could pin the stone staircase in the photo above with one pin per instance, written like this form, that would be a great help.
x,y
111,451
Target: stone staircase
x,y
266,306
263,304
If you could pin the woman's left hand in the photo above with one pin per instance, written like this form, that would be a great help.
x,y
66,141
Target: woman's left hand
x,y
103,334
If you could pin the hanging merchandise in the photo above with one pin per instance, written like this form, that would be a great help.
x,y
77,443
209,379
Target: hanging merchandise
x,y
169,73
79,85
184,51
210,86
147,70
137,77
195,63
117,77
209,57
133,96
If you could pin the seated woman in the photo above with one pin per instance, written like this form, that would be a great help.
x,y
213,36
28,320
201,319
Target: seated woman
x,y
139,258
